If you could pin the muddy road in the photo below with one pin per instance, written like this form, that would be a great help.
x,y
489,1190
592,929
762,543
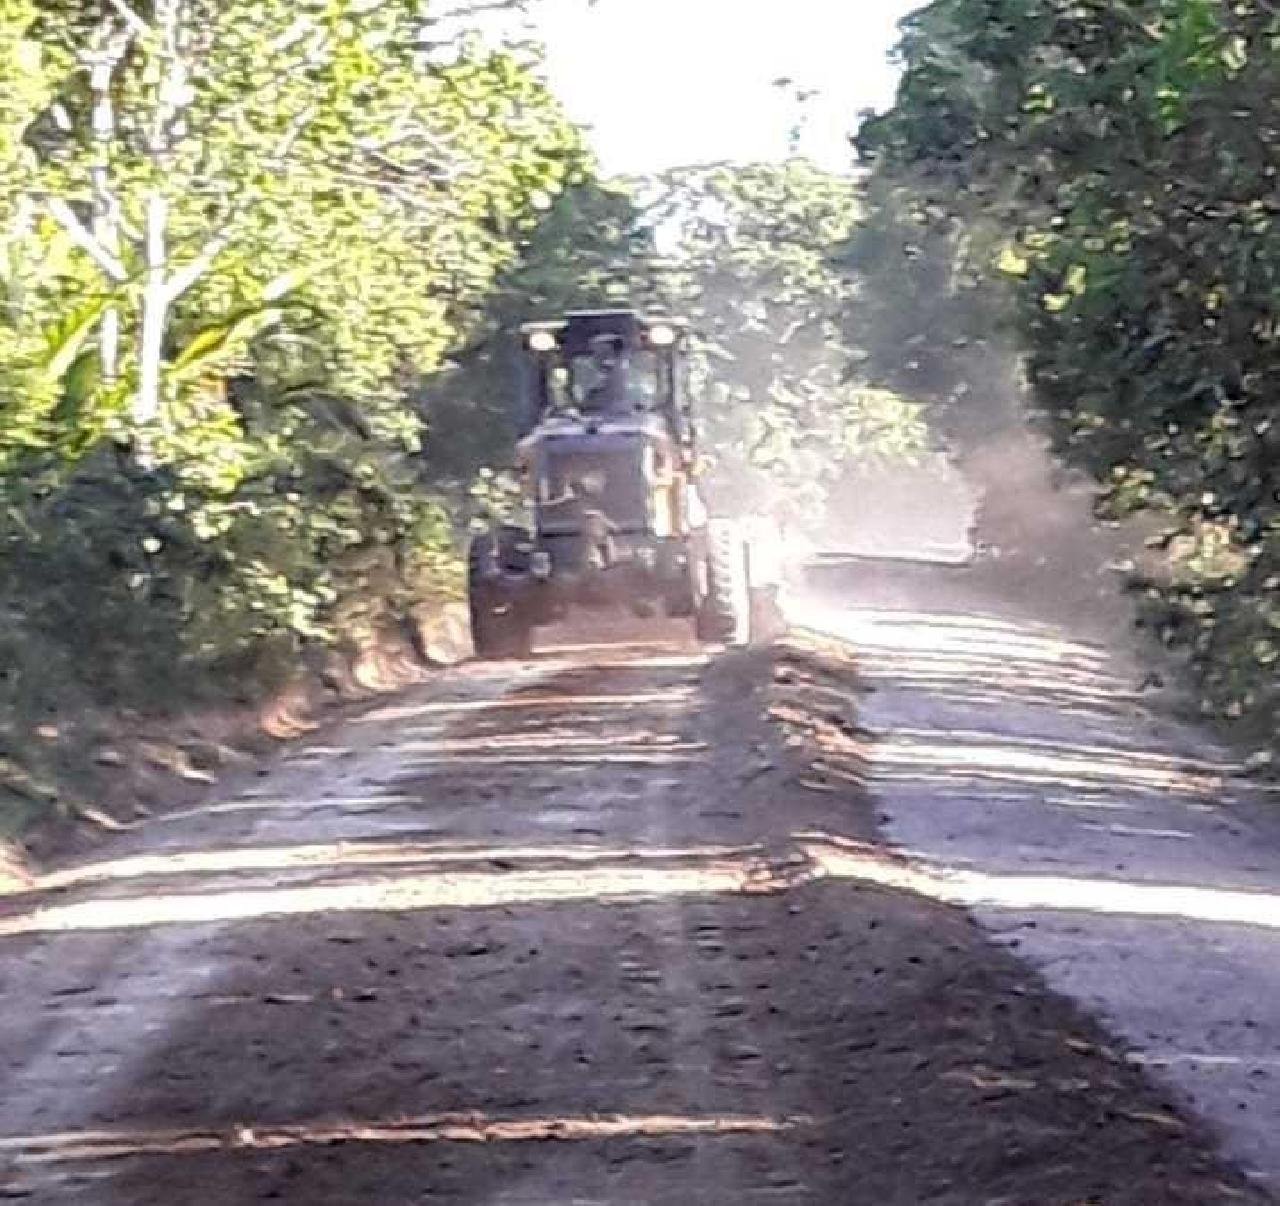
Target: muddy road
x,y
610,926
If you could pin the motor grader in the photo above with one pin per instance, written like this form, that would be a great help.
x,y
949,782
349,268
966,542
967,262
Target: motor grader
x,y
609,467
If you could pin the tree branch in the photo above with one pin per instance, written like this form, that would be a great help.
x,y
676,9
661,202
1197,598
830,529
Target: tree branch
x,y
131,19
65,216
182,280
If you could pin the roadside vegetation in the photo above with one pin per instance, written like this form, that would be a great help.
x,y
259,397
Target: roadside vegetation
x,y
1094,186
234,240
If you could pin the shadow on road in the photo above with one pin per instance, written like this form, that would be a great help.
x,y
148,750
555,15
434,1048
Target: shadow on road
x,y
686,976
1028,778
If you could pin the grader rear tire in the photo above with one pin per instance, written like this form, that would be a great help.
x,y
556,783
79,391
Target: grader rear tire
x,y
724,614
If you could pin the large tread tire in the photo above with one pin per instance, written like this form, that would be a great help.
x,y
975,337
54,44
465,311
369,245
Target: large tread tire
x,y
725,611
498,629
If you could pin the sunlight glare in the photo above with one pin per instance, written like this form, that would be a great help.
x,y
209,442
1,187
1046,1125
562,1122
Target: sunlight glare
x,y
461,1127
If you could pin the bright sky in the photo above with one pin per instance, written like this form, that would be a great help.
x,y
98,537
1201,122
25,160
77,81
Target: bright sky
x,y
663,83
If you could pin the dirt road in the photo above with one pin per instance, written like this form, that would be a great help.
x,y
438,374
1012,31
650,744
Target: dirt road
x,y
1117,849
609,926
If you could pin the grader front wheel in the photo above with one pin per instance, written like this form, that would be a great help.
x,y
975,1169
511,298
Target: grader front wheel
x,y
724,612
499,629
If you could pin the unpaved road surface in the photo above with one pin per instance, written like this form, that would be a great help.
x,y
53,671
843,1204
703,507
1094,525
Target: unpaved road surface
x,y
1116,849
610,926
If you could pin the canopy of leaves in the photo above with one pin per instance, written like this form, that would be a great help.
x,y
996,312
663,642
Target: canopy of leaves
x,y
1116,164
758,272
342,187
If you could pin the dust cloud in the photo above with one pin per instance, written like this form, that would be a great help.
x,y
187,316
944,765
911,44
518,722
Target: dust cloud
x,y
1002,525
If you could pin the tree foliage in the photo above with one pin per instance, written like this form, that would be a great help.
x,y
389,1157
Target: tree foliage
x,y
1115,163
236,237
758,272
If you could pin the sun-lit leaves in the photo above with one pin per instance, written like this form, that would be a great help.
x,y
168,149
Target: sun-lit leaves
x,y
342,188
1125,157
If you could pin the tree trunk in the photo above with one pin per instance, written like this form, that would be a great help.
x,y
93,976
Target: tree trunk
x,y
155,308
105,228
106,210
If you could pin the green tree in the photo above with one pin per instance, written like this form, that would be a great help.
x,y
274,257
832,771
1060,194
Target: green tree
x,y
758,271
210,158
1117,164
266,222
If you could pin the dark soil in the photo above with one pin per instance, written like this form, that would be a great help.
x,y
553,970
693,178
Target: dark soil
x,y
794,1040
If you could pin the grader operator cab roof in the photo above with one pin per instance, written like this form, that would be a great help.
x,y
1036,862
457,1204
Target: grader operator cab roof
x,y
577,332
